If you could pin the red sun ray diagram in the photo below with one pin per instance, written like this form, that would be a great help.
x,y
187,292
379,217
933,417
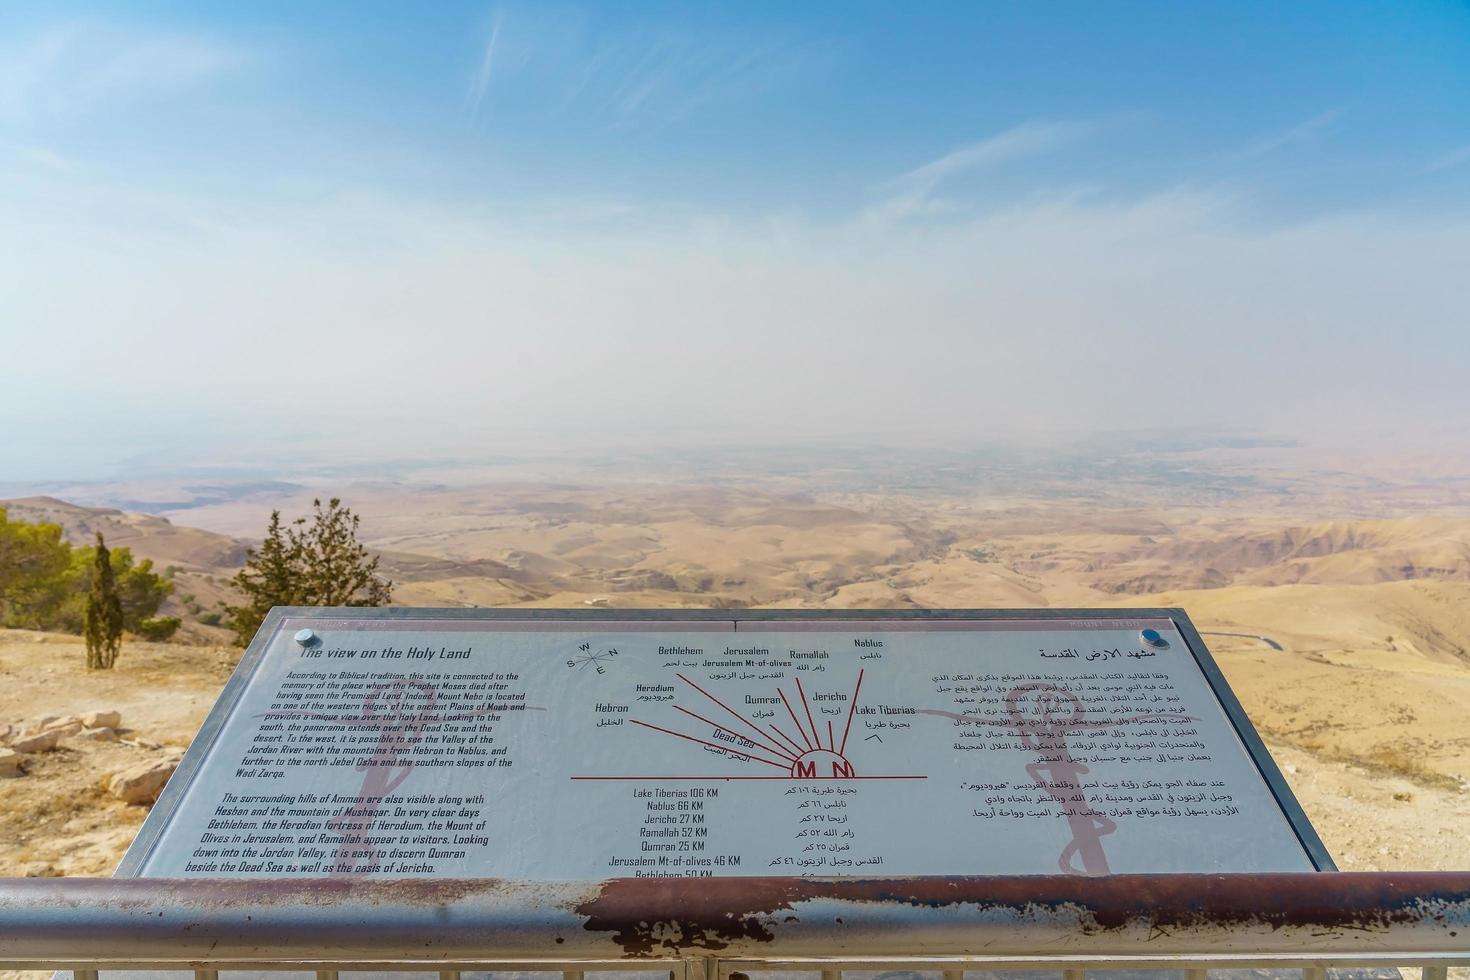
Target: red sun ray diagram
x,y
803,749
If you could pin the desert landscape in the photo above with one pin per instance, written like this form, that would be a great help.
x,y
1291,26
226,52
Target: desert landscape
x,y
731,307
1337,604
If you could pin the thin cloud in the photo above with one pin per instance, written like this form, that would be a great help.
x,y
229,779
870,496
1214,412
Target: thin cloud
x,y
481,83
45,158
1302,132
74,68
914,192
650,76
1454,158
677,76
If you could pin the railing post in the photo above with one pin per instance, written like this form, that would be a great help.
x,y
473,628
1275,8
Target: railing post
x,y
704,968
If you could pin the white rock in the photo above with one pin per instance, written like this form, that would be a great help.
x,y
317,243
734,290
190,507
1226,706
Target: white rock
x,y
64,726
141,743
102,719
99,734
142,783
36,742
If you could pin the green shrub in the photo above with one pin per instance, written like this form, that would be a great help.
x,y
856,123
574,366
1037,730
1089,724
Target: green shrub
x,y
158,628
316,563
45,582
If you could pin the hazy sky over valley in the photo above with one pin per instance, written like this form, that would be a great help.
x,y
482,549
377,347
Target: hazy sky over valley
x,y
390,225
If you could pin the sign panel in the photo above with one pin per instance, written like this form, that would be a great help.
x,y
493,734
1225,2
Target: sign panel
x,y
410,743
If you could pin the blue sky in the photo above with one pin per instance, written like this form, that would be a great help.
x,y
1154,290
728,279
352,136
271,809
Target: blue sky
x,y
515,216
747,107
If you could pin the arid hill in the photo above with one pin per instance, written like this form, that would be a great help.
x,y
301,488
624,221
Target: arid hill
x,y
657,544
148,536
1348,639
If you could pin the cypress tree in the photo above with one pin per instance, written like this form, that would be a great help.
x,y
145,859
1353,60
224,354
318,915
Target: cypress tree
x,y
103,623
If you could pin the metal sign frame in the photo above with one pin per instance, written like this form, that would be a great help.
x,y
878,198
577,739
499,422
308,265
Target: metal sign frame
x,y
199,749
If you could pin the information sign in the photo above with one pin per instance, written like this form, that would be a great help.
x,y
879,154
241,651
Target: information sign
x,y
567,746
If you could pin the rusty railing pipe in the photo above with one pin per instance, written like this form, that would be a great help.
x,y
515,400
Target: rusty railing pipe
x,y
1398,917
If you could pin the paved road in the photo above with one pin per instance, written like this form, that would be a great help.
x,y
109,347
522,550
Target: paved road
x,y
1249,636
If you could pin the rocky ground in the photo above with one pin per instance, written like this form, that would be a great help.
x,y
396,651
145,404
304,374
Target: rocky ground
x,y
71,795
86,752
75,796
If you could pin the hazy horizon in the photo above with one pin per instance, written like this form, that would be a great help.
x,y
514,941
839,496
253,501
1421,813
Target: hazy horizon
x,y
233,234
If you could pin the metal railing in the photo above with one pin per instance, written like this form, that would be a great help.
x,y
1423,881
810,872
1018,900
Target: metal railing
x,y
716,928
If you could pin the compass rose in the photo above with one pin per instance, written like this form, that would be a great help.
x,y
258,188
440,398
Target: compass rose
x,y
590,656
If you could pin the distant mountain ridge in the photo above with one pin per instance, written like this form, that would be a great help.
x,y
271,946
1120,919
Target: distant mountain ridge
x,y
672,546
148,536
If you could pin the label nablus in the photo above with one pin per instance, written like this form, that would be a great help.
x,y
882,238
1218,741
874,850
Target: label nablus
x,y
568,746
